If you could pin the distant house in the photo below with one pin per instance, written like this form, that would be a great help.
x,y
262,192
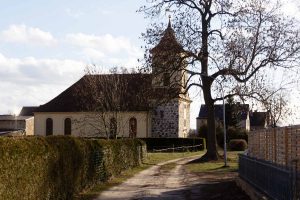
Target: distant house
x,y
28,111
20,125
243,123
258,120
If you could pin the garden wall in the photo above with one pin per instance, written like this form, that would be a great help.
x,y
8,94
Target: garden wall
x,y
276,145
60,167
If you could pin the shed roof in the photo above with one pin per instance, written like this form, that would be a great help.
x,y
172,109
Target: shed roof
x,y
28,110
13,117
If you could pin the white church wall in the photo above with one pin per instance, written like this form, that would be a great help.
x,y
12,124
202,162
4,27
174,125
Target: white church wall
x,y
86,124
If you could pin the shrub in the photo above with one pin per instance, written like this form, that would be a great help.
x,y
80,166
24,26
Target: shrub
x,y
58,167
231,133
237,145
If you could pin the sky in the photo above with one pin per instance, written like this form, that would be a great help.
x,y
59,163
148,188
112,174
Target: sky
x,y
46,45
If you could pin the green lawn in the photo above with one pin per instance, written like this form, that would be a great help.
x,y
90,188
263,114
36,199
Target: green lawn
x,y
217,166
152,159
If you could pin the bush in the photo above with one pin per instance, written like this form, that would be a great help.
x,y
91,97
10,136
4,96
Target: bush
x,y
58,167
237,145
231,133
162,143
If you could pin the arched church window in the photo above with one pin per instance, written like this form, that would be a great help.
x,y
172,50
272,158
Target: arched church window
x,y
113,128
49,126
68,126
166,79
132,127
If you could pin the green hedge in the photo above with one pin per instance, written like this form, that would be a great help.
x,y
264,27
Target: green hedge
x,y
60,167
161,143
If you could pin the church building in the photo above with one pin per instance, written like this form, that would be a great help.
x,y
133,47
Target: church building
x,y
124,105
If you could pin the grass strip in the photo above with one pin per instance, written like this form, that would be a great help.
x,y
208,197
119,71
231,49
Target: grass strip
x,y
216,166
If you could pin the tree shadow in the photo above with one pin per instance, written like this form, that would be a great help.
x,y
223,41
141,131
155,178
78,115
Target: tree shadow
x,y
220,190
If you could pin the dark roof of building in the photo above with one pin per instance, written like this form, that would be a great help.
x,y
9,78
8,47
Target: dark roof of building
x,y
13,117
258,118
168,42
108,92
28,111
243,109
103,92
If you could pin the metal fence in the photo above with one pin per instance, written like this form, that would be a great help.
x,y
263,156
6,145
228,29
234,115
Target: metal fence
x,y
275,181
178,149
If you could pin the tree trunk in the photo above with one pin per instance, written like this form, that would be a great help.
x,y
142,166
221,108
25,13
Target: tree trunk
x,y
212,153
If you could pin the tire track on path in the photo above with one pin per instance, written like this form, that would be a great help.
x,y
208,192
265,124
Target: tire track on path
x,y
152,183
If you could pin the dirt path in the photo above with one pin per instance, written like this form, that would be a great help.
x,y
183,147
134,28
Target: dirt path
x,y
173,183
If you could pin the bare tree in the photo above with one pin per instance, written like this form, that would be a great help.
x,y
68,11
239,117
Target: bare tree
x,y
277,108
226,45
106,97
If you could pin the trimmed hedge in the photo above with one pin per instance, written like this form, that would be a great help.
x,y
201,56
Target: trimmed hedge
x,y
162,143
237,145
59,167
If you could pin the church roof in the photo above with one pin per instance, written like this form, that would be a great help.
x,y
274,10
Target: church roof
x,y
109,92
96,93
243,109
168,42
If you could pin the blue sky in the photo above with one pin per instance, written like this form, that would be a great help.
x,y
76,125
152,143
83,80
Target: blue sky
x,y
46,45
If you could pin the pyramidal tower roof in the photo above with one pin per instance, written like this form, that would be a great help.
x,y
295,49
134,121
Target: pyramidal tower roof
x,y
168,42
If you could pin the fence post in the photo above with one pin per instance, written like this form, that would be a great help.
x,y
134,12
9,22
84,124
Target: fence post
x,y
286,146
275,145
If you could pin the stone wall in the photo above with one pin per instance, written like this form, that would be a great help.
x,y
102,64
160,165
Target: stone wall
x,y
165,120
184,118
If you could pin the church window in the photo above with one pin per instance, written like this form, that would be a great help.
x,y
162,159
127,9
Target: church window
x,y
49,126
132,127
166,79
68,126
113,128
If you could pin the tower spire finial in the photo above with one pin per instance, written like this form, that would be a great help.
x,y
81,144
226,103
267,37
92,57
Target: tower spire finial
x,y
169,24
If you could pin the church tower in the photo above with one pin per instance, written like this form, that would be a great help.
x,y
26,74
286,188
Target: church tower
x,y
171,114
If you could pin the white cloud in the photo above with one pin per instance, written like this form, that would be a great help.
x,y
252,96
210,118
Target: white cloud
x,y
31,81
291,8
38,71
93,53
27,35
105,43
106,49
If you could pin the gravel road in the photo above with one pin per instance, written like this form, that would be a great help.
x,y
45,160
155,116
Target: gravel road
x,y
157,183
